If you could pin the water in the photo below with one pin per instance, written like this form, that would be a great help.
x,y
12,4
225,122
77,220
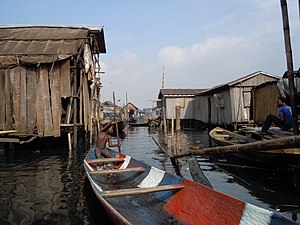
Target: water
x,y
49,186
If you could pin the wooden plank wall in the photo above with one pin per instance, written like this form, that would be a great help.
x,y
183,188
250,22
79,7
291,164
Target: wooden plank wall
x,y
30,98
2,99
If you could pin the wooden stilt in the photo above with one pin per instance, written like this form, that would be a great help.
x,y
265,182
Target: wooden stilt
x,y
70,141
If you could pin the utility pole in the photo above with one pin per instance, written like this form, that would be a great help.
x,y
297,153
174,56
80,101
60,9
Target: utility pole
x,y
289,59
163,77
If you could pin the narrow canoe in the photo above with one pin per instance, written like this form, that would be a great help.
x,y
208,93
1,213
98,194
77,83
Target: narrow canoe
x,y
223,137
133,192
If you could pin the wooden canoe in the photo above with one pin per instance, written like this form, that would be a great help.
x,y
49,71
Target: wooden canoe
x,y
223,137
133,192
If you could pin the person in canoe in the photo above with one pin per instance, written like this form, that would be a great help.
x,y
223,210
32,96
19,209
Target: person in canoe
x,y
103,138
284,119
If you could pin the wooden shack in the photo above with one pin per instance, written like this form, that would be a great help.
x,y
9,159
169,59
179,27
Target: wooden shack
x,y
181,98
229,104
50,83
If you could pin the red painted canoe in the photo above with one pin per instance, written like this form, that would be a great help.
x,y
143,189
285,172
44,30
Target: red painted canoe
x,y
133,192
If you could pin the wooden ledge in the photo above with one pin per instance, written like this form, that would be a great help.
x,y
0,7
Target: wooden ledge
x,y
138,191
128,170
106,160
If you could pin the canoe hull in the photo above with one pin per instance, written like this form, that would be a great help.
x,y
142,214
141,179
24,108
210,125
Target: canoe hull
x,y
188,203
223,137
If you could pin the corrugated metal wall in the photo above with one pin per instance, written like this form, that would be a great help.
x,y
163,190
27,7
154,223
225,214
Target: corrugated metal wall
x,y
187,108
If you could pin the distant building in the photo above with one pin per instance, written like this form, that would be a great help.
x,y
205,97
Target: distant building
x,y
229,104
49,79
184,98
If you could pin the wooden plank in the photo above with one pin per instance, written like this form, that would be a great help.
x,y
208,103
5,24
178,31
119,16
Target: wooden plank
x,y
2,99
114,171
15,76
138,191
65,84
48,131
86,105
55,85
40,105
31,98
106,160
10,140
23,101
7,131
8,101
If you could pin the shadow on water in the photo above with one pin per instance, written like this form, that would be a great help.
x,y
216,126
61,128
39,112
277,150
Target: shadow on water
x,y
46,186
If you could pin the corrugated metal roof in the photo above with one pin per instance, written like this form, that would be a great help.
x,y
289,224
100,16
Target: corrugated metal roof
x,y
45,44
237,81
179,92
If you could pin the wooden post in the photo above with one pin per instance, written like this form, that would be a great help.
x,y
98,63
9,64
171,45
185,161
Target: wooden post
x,y
70,141
165,121
265,145
172,135
75,114
115,117
289,59
178,128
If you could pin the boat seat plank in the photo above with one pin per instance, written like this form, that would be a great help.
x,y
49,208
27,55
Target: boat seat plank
x,y
128,170
7,131
106,160
138,191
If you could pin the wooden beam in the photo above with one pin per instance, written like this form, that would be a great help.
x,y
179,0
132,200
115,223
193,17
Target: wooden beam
x,y
7,131
265,145
128,170
11,140
106,160
138,191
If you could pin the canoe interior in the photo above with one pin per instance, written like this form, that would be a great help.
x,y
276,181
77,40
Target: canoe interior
x,y
223,137
192,204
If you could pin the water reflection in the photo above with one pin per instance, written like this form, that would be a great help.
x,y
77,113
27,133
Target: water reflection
x,y
45,187
49,186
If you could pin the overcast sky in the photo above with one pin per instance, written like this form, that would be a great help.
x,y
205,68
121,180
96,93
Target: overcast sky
x,y
199,43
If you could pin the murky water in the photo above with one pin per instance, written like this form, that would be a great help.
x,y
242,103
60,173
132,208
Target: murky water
x,y
48,186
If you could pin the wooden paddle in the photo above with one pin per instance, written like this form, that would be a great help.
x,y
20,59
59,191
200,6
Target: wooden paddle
x,y
115,117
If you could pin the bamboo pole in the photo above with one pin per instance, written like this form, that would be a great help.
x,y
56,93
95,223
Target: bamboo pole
x,y
265,145
289,59
115,117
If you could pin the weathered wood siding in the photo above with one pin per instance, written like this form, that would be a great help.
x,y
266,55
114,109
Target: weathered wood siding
x,y
263,99
187,108
30,98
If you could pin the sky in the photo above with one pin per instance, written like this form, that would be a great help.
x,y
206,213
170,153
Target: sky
x,y
194,43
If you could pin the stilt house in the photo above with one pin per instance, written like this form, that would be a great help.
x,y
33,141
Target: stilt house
x,y
183,99
229,104
49,81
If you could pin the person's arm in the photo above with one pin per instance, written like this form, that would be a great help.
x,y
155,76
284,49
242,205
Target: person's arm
x,y
280,115
110,144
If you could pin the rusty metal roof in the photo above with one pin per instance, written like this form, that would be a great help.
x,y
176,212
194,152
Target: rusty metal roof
x,y
45,44
179,92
